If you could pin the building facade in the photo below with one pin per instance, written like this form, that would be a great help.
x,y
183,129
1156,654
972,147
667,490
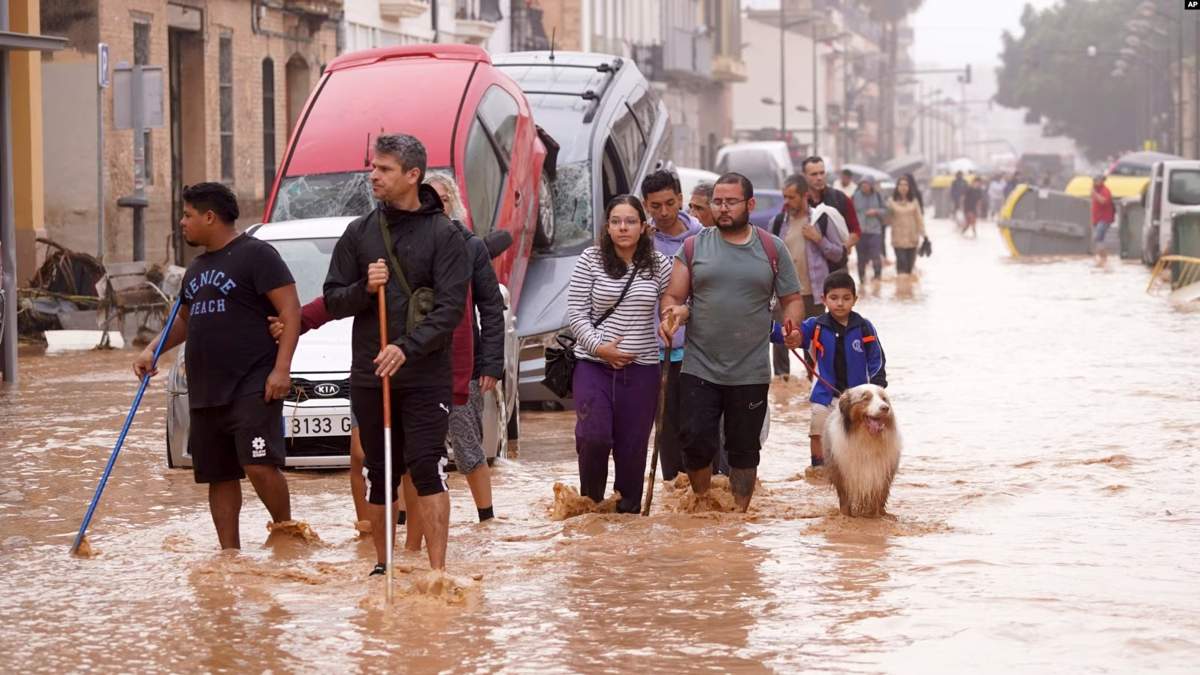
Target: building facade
x,y
234,78
386,23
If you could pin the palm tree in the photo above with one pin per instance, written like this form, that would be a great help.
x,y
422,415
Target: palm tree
x,y
889,13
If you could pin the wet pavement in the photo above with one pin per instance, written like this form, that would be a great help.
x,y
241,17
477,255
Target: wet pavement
x,y
1045,517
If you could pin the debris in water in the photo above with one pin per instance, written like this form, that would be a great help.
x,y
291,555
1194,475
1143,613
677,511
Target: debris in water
x,y
568,503
295,528
1115,461
85,549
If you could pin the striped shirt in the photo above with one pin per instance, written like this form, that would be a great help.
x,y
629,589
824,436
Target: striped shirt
x,y
635,320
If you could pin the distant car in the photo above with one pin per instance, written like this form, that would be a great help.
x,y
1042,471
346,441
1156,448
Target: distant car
x,y
690,178
766,163
1138,163
767,203
611,129
316,415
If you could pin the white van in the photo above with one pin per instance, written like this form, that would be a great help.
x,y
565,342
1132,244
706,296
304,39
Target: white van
x,y
766,163
1174,188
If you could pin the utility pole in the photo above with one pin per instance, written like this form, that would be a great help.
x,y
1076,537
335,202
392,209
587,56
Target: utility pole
x,y
782,78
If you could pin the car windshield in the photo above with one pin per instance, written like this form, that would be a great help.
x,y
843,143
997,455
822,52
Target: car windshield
x,y
308,259
1130,169
326,195
573,220
1184,188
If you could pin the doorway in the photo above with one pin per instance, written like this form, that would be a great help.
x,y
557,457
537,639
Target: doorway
x,y
299,82
185,60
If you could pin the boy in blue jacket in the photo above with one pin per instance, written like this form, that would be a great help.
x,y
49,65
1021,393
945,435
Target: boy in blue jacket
x,y
847,352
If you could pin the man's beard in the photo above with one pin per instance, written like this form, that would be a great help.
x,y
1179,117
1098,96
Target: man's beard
x,y
739,224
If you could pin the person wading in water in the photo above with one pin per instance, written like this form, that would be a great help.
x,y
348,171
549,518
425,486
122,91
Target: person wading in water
x,y
730,272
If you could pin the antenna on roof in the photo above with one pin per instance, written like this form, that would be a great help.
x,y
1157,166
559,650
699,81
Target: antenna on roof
x,y
553,35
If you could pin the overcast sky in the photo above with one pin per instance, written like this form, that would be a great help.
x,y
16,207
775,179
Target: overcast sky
x,y
953,32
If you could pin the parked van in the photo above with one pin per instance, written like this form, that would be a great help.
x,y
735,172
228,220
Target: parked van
x,y
766,163
476,126
611,129
1174,188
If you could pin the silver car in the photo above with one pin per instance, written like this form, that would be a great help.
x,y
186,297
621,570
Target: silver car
x,y
316,415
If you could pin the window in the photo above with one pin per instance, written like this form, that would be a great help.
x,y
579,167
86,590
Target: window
x,y
628,141
225,85
485,178
498,110
268,112
141,57
1184,187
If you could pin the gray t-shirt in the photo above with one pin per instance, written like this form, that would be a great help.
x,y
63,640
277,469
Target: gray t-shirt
x,y
730,324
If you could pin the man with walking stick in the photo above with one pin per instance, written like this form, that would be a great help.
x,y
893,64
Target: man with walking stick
x,y
408,247
237,375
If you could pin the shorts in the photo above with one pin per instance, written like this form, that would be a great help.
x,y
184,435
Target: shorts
x,y
222,439
466,431
703,403
820,413
420,419
1102,231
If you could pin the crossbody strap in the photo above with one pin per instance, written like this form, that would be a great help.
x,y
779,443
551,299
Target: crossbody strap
x,y
397,270
608,312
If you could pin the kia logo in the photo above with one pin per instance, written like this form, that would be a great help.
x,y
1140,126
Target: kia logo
x,y
326,389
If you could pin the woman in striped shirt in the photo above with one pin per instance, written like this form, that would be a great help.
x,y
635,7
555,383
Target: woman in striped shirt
x,y
617,374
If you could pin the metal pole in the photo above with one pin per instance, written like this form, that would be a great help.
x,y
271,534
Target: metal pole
x,y
139,161
815,114
782,80
100,201
1196,89
8,233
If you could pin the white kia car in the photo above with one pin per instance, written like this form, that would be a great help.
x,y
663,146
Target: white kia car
x,y
316,415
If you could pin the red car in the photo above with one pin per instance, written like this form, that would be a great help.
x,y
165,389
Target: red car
x,y
474,121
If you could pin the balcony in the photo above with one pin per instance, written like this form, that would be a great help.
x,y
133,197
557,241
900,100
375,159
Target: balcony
x,y
727,68
397,10
475,20
324,9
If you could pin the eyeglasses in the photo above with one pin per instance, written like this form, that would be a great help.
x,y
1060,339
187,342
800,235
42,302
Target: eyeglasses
x,y
719,204
627,222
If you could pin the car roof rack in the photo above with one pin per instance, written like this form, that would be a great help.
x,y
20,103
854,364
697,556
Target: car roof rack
x,y
609,68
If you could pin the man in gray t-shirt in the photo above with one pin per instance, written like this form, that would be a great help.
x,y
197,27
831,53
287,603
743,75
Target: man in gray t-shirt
x,y
730,282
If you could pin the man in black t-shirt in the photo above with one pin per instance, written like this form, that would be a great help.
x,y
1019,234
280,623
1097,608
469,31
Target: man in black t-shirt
x,y
237,375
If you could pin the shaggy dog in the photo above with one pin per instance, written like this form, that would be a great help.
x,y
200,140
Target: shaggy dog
x,y
862,450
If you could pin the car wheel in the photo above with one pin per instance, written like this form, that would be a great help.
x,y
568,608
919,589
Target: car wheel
x,y
543,237
170,462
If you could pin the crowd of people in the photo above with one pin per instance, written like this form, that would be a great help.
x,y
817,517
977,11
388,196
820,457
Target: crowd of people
x,y
678,299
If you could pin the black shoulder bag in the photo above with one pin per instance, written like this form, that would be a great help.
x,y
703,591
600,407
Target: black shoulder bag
x,y
420,301
559,371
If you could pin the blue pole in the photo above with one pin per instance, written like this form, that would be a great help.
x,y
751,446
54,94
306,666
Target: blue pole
x,y
137,400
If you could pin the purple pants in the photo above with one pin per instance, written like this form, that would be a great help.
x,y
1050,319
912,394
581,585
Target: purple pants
x,y
614,413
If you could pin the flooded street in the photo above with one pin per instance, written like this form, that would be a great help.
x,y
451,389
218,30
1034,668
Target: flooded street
x,y
1045,516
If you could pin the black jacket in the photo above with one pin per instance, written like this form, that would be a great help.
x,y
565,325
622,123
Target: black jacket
x,y
486,296
432,253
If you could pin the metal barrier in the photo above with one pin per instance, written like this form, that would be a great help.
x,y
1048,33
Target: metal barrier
x,y
1185,271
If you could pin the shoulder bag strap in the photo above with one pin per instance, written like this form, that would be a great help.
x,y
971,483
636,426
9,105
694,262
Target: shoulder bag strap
x,y
608,312
397,270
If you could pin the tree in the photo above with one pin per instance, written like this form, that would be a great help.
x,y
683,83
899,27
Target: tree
x,y
1051,71
889,13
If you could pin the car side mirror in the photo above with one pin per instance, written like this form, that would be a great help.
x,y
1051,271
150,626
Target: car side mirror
x,y
497,242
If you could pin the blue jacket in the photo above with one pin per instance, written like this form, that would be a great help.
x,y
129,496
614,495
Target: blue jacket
x,y
863,354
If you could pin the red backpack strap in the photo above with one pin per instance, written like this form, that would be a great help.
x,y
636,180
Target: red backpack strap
x,y
768,244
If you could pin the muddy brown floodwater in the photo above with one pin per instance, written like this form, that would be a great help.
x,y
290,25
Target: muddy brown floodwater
x,y
1045,519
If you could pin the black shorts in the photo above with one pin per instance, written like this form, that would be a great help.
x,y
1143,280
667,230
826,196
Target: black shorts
x,y
744,408
222,439
420,420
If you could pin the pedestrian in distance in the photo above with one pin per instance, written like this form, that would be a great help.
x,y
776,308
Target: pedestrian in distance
x,y
995,192
908,226
813,169
958,190
848,353
698,204
611,300
814,246
731,272
1104,214
237,375
407,246
661,196
868,203
846,184
974,201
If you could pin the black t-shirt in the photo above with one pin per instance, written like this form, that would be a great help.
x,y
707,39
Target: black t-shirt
x,y
230,351
972,198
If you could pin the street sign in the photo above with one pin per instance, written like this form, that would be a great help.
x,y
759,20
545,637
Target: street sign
x,y
102,65
152,96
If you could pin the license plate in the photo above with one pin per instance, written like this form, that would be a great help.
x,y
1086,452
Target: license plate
x,y
316,425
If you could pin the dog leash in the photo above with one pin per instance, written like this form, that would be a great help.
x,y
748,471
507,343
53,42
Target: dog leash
x,y
788,327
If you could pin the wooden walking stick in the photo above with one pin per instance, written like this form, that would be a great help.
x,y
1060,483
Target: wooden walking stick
x,y
390,519
658,420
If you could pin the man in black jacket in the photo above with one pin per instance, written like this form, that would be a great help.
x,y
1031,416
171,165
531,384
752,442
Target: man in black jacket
x,y
429,251
819,192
